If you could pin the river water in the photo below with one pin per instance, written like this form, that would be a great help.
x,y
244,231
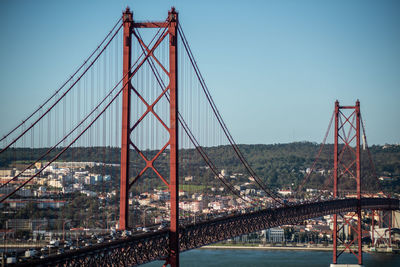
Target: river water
x,y
278,258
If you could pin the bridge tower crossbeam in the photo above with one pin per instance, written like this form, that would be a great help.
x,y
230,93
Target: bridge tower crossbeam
x,y
347,165
168,28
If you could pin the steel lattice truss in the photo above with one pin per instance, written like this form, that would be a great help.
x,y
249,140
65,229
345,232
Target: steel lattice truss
x,y
144,248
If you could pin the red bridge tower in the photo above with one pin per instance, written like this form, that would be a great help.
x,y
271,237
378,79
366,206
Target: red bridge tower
x,y
347,165
170,25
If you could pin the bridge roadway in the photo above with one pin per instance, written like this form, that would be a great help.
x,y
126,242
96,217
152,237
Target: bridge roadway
x,y
147,247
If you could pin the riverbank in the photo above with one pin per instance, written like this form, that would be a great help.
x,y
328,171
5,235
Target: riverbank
x,y
299,248
267,247
217,256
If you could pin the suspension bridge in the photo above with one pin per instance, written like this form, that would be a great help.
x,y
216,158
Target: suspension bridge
x,y
158,147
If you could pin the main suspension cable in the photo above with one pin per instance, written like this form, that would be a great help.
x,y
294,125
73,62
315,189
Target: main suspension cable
x,y
318,155
371,162
186,128
63,85
63,95
88,126
259,182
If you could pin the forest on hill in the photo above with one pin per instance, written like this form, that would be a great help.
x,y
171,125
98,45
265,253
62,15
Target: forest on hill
x,y
278,165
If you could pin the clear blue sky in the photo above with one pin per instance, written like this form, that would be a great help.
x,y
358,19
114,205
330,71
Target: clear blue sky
x,y
274,68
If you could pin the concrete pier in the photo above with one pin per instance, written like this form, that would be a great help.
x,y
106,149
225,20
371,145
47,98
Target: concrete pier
x,y
346,265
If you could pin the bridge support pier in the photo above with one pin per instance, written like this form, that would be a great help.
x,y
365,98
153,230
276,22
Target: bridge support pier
x,y
171,29
126,111
347,165
346,265
173,142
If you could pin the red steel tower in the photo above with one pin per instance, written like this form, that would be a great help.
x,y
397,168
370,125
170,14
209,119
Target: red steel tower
x,y
170,29
347,169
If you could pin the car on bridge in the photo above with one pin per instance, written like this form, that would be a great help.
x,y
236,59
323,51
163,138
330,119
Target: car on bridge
x,y
11,260
30,253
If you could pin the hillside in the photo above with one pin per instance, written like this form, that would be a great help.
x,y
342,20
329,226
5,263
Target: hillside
x,y
279,165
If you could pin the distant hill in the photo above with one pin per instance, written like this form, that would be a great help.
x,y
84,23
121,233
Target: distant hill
x,y
278,165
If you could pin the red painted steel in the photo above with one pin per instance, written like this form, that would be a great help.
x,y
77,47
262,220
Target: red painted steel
x,y
335,172
358,166
390,229
150,24
171,26
174,183
343,166
147,247
357,108
384,221
127,17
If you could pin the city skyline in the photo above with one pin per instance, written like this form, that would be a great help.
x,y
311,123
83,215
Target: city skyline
x,y
274,74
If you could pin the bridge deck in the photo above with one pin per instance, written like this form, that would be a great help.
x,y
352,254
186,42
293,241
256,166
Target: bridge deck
x,y
154,246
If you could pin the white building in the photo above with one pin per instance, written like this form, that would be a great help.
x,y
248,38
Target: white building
x,y
188,178
54,183
195,206
216,205
276,235
223,173
285,192
89,179
50,204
